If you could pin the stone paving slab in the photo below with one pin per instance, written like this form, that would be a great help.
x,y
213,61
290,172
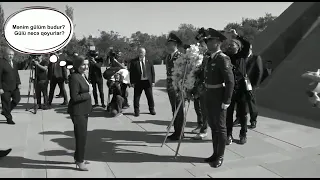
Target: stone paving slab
x,y
127,146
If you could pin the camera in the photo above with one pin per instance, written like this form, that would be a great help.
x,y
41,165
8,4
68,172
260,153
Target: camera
x,y
92,53
33,59
201,34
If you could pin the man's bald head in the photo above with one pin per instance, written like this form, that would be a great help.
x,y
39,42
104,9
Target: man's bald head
x,y
10,54
142,52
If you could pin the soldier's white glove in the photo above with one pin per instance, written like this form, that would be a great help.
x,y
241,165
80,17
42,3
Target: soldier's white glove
x,y
225,106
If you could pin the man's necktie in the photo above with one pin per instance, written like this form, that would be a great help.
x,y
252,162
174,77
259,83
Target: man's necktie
x,y
143,69
11,64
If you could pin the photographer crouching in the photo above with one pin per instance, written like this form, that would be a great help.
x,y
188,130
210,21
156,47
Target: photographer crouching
x,y
115,64
117,100
41,69
95,77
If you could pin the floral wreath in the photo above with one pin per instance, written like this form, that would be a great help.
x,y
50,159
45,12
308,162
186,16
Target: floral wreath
x,y
186,72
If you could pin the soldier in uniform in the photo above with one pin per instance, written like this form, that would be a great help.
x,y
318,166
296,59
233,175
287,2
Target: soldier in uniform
x,y
172,45
199,105
219,84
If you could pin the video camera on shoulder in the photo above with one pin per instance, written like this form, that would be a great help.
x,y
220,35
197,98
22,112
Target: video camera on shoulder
x,y
201,34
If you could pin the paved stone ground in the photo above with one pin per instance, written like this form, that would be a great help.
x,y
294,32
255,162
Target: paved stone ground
x,y
127,146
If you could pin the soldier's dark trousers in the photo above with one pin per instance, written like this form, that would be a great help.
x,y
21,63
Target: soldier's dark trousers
x,y
42,87
175,101
251,106
98,84
238,98
53,83
199,106
9,100
216,119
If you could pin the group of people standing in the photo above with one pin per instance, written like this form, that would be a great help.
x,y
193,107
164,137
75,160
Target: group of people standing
x,y
230,74
229,78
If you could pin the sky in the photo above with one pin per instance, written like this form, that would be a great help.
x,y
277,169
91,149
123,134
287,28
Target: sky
x,y
153,17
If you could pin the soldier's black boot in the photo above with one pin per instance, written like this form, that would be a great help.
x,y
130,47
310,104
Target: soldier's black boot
x,y
253,125
229,140
243,139
220,146
213,157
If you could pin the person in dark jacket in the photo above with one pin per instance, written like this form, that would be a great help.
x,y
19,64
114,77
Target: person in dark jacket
x,y
142,77
117,100
95,77
254,67
57,75
173,43
238,51
42,81
199,102
10,85
79,107
219,84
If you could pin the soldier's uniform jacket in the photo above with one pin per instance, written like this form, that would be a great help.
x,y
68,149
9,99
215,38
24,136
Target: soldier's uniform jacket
x,y
218,70
169,67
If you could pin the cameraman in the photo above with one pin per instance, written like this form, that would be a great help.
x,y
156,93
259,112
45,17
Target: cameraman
x,y
57,75
95,77
117,99
41,69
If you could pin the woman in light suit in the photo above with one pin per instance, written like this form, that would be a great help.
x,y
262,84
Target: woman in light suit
x,y
79,107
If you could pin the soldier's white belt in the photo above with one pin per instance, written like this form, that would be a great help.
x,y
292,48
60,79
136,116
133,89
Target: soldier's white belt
x,y
211,86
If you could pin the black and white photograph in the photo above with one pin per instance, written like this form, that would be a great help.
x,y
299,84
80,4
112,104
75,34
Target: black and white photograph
x,y
159,90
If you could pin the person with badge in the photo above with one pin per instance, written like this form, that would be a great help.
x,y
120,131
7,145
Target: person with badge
x,y
238,51
219,85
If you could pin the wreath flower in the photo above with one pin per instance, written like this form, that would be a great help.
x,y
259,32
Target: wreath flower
x,y
185,73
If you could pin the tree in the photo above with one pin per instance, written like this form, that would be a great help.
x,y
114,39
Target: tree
x,y
2,40
69,13
75,46
249,27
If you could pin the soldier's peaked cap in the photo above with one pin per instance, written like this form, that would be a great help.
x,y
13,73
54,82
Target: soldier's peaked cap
x,y
214,34
174,38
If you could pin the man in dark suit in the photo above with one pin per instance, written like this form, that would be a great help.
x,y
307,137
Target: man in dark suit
x,y
57,75
172,45
95,77
142,77
10,85
267,71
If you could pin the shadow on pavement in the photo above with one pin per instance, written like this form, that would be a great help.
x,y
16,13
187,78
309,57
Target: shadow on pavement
x,y
161,83
24,163
101,146
264,112
164,123
96,112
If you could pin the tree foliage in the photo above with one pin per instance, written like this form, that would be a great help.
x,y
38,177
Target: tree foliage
x,y
155,45
249,27
2,40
